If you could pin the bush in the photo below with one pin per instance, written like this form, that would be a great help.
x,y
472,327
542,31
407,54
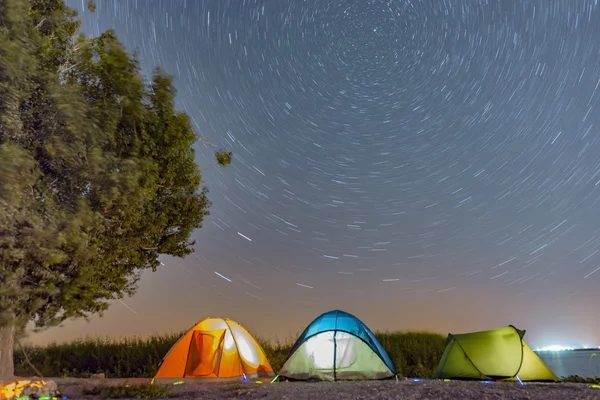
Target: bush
x,y
276,352
415,354
126,358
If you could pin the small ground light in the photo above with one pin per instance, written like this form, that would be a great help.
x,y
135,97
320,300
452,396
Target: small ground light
x,y
43,398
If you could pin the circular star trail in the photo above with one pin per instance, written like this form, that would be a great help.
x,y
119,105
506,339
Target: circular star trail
x,y
385,151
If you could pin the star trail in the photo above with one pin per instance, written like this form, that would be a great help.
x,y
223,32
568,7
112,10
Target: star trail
x,y
427,164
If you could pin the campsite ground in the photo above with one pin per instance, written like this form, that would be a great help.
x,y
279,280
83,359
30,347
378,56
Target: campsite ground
x,y
403,389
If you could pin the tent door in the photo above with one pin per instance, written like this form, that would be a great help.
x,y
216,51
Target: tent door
x,y
204,353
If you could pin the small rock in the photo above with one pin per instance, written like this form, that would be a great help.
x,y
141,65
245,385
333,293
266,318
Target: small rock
x,y
98,376
51,386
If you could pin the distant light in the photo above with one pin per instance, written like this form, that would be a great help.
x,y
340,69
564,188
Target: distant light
x,y
555,348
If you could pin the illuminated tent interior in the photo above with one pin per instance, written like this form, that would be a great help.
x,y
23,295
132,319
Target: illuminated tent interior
x,y
214,348
498,354
337,346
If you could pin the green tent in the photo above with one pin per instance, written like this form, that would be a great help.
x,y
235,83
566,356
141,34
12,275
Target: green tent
x,y
498,354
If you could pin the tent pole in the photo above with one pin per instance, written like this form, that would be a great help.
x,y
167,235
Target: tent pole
x,y
334,356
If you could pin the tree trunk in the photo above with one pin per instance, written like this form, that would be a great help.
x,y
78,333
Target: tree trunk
x,y
7,346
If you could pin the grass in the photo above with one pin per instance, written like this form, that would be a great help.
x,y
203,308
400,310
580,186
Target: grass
x,y
127,358
415,354
579,379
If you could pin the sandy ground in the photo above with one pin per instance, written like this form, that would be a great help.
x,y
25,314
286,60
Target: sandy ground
x,y
403,389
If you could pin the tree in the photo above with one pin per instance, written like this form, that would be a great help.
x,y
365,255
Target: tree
x,y
97,171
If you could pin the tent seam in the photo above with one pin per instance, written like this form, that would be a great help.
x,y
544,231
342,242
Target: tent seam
x,y
376,351
337,313
467,356
236,346
176,343
522,352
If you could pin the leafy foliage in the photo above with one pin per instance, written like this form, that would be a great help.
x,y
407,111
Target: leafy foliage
x,y
97,170
223,158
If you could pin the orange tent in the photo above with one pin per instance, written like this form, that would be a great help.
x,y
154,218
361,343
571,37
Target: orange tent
x,y
215,348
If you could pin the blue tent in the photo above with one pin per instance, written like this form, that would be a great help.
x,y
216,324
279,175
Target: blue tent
x,y
337,346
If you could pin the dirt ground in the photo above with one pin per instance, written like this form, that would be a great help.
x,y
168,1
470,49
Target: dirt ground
x,y
404,389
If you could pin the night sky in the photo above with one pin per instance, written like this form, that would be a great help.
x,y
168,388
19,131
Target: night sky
x,y
425,165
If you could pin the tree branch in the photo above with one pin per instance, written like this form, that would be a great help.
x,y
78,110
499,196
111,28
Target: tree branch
x,y
209,167
39,25
62,69
28,360
206,142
